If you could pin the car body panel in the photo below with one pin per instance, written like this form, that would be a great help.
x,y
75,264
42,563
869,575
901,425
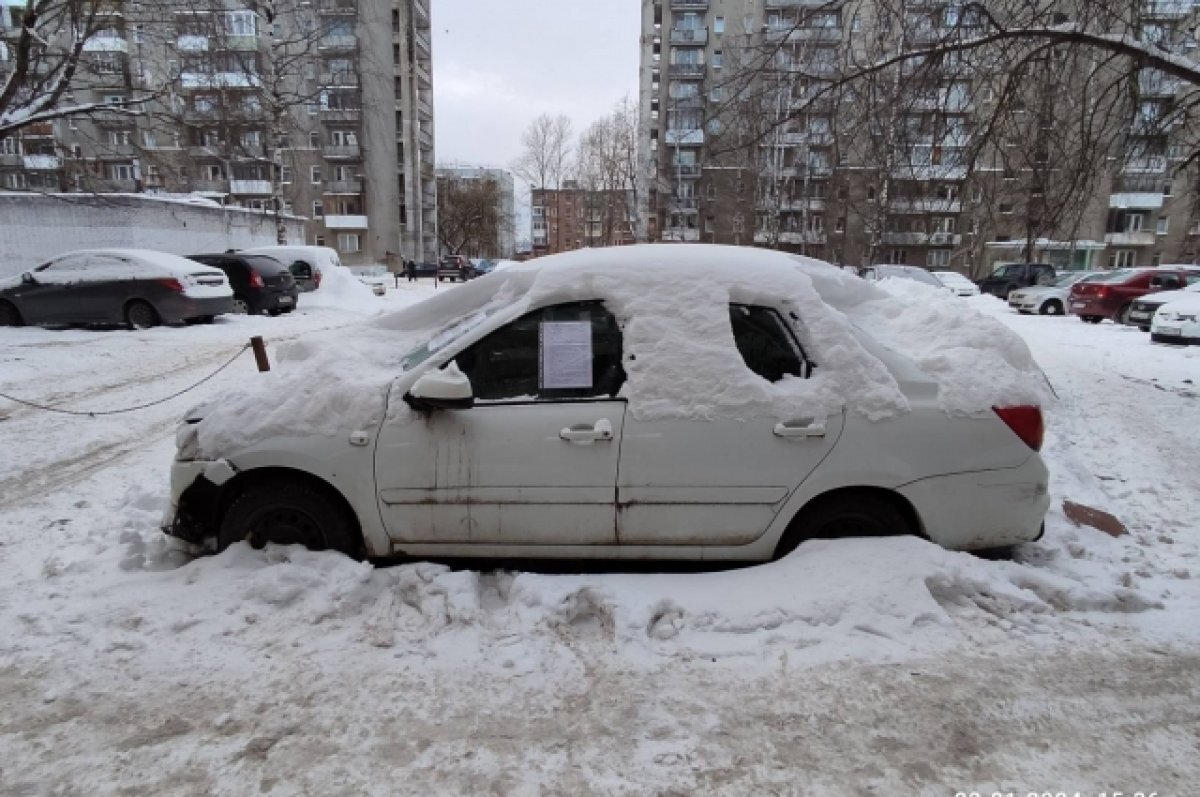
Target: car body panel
x,y
1106,299
279,291
1141,312
1034,298
1178,322
958,283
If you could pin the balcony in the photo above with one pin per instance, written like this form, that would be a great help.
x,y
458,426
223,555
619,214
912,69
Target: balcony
x,y
683,204
1152,83
812,172
1150,165
689,5
925,206
799,139
206,151
1166,9
1136,200
121,152
811,205
687,171
683,234
425,138
423,48
794,34
343,187
209,186
772,4
791,238
929,172
1139,238
905,238
354,222
420,9
109,119
685,103
945,239
341,151
11,159
341,114
251,187
424,108
338,42
337,7
686,71
697,37
692,137
110,43
117,186
41,162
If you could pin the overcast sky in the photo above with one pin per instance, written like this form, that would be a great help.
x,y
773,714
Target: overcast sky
x,y
497,65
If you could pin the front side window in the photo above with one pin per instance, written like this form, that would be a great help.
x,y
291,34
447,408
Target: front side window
x,y
765,343
567,351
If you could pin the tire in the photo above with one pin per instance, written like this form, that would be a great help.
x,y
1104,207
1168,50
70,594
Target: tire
x,y
141,315
240,306
1122,316
1144,329
10,316
274,312
854,514
1052,307
286,512
1091,319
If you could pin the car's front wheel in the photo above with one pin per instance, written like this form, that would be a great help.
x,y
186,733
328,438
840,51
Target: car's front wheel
x,y
10,316
141,315
853,513
287,512
1052,307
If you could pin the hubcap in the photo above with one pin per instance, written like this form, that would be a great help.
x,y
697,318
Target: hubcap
x,y
141,316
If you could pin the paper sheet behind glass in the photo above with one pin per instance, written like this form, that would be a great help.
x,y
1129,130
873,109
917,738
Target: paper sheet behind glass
x,y
566,354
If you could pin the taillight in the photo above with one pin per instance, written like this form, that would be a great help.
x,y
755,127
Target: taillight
x,y
256,280
1026,421
1102,292
171,284
316,279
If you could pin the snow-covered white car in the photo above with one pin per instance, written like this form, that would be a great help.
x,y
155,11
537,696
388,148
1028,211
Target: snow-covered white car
x,y
137,287
1049,299
377,278
1178,321
308,264
642,402
1141,312
896,271
959,284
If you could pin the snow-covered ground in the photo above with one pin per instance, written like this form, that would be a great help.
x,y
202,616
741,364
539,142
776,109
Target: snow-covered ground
x,y
851,667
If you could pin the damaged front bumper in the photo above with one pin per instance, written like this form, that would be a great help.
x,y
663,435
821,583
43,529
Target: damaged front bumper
x,y
195,498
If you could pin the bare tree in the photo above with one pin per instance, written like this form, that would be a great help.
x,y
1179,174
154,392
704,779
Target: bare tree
x,y
546,159
470,215
606,172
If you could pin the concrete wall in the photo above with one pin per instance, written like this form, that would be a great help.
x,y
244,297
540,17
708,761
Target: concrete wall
x,y
36,227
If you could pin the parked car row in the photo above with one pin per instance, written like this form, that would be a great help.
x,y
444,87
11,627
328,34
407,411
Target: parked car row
x,y
143,288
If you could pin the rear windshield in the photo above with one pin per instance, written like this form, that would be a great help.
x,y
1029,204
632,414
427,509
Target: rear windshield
x,y
1120,275
267,266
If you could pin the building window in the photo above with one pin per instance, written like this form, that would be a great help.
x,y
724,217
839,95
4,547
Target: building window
x,y
839,225
349,242
1121,258
1156,259
1166,189
320,240
1162,225
718,59
285,174
939,259
719,25
899,256
315,175
1006,208
238,23
121,171
870,192
1134,222
211,172
318,209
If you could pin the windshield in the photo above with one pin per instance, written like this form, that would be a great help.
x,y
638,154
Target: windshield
x,y
912,273
448,335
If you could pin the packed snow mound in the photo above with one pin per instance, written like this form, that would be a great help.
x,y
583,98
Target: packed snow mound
x,y
341,290
681,360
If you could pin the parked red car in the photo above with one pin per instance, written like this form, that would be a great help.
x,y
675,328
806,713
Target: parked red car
x,y
1111,295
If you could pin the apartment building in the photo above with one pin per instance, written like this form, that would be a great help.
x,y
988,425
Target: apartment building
x,y
502,242
324,110
893,179
572,217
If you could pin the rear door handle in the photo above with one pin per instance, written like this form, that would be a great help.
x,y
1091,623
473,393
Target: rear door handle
x,y
582,433
800,427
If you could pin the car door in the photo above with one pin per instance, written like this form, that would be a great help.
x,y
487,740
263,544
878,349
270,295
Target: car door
x,y
53,296
722,481
534,462
109,281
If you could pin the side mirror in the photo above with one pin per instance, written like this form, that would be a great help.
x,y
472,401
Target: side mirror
x,y
28,278
447,389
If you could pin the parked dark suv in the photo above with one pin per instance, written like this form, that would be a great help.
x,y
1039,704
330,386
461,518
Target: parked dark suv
x,y
260,283
455,268
1011,276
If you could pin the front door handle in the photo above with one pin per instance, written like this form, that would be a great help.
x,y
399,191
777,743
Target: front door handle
x,y
582,433
800,427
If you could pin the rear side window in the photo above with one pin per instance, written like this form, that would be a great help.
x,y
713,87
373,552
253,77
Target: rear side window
x,y
568,351
765,343
267,266
301,270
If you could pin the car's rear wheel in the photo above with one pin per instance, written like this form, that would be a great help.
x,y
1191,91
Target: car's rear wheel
x,y
241,306
10,316
286,512
1052,307
852,513
1092,319
1122,316
141,315
274,312
1144,329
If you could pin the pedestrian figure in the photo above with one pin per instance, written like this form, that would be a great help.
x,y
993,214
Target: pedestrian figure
x,y
410,268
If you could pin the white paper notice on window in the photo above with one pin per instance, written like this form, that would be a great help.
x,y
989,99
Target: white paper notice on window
x,y
566,354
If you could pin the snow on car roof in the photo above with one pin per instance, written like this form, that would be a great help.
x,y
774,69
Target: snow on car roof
x,y
139,263
672,301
